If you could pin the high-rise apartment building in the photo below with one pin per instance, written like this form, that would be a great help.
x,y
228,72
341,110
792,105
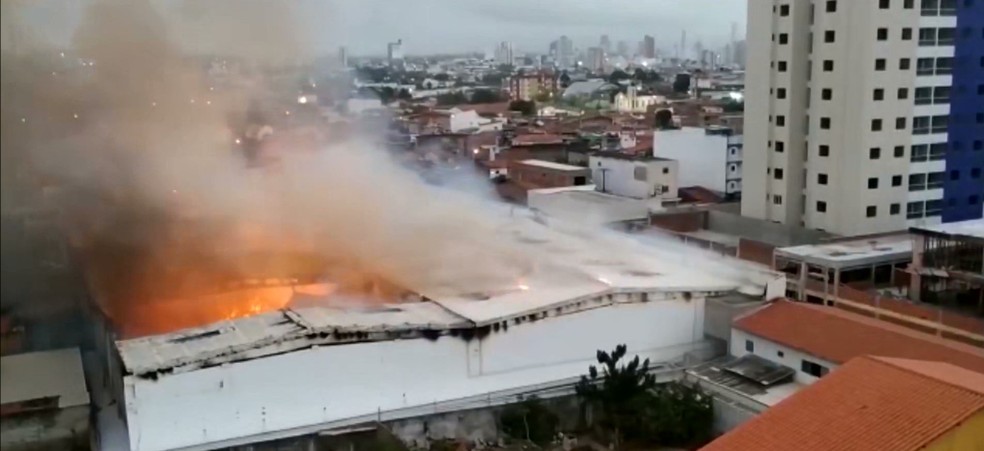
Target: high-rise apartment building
x,y
648,47
504,53
864,116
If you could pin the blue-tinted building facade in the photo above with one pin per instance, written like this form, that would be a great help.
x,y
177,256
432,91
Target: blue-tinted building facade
x,y
963,189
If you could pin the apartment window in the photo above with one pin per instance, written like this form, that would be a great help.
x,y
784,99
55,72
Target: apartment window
x,y
777,173
781,93
784,10
821,206
978,144
925,66
813,368
924,96
872,182
899,151
944,65
828,36
900,123
934,207
782,66
831,6
874,153
783,38
883,4
776,199
780,146
878,94
907,34
940,123
955,174
903,93
920,124
666,170
917,182
935,180
927,37
945,36
904,63
882,34
973,200
826,93
941,95
914,210
975,173
920,152
880,64
937,151
876,125
828,65
825,123
780,354
894,209
896,180
780,121
821,179
907,4
823,150
871,211
749,346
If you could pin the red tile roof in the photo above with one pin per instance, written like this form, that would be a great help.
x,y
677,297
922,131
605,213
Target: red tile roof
x,y
871,403
523,140
838,336
699,194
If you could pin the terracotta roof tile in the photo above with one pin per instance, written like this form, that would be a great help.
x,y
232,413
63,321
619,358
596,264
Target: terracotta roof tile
x,y
868,404
838,336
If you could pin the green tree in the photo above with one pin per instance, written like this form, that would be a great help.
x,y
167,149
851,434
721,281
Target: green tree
x,y
442,77
664,119
678,415
529,420
733,106
451,98
619,391
526,107
485,96
618,75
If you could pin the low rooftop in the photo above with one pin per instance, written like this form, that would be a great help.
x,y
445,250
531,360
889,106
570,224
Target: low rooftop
x,y
864,251
869,403
838,336
554,166
618,155
46,374
972,229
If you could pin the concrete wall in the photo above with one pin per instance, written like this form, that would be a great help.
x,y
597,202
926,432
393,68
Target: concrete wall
x,y
703,158
619,177
766,232
63,429
770,350
281,395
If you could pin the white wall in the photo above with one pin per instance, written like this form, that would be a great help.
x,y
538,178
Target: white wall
x,y
769,350
461,120
619,177
703,158
331,383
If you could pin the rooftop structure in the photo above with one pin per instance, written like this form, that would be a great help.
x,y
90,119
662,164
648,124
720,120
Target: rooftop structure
x,y
948,266
872,403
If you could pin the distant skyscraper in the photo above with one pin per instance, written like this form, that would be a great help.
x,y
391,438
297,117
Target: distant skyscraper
x,y
683,45
623,48
394,53
565,52
504,53
606,44
739,51
342,57
596,59
649,47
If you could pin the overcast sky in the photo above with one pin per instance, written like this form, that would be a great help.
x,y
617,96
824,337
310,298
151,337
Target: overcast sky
x,y
431,26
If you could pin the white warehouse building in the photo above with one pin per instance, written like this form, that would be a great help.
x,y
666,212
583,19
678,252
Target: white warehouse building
x,y
299,371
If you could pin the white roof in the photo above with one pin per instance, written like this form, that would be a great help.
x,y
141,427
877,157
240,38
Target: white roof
x,y
973,228
856,252
552,165
35,375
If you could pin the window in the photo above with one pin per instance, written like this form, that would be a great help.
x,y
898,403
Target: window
x,y
907,4
935,180
777,173
871,211
914,210
824,150
904,63
828,36
813,368
925,66
666,170
781,93
973,200
782,66
783,38
907,34
975,173
955,174
876,125
924,96
780,354
749,346
883,4
903,93
878,94
780,121
822,179
825,123
784,10
900,123
777,199
880,64
941,95
940,123
874,153
917,182
927,36
831,6
872,182
882,34
937,151
894,209
821,206
899,151
828,65
826,93
640,173
780,146
978,144
934,207
896,180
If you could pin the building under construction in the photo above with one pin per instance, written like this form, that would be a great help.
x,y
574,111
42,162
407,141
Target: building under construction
x,y
948,264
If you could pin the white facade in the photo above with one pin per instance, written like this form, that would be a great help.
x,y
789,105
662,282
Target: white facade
x,y
713,161
777,353
830,114
638,178
464,120
631,102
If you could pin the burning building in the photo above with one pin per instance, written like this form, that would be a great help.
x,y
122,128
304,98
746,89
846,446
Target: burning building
x,y
303,363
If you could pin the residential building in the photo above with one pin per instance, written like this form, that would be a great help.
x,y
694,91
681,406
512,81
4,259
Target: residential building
x,y
565,52
394,53
548,174
639,176
605,43
864,116
504,53
623,48
709,157
948,265
648,47
631,101
872,403
596,59
529,86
